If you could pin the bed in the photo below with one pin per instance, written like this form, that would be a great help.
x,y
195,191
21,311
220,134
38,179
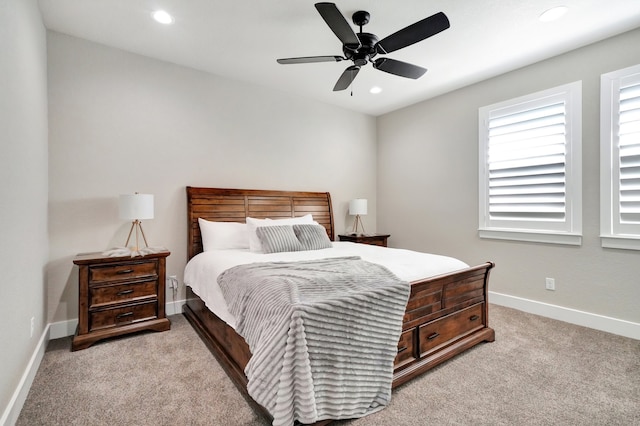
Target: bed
x,y
445,315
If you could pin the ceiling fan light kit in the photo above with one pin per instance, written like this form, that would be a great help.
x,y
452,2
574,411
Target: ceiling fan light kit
x,y
362,48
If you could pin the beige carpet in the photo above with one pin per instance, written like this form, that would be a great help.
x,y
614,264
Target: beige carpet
x,y
537,372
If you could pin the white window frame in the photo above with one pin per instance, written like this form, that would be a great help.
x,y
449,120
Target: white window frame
x,y
567,230
614,232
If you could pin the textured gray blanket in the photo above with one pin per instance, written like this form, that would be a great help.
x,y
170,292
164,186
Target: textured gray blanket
x,y
323,335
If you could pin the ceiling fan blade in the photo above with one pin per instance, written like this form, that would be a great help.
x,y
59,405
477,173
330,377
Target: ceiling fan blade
x,y
338,24
310,59
346,78
414,33
400,68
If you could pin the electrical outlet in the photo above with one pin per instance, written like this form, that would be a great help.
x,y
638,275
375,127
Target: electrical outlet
x,y
173,282
33,325
550,283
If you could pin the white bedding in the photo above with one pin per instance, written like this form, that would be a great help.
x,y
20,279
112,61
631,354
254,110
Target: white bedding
x,y
201,272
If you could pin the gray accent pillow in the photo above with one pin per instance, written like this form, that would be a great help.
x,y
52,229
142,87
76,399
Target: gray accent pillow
x,y
312,237
276,239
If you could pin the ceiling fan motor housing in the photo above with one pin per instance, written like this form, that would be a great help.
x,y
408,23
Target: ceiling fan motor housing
x,y
360,55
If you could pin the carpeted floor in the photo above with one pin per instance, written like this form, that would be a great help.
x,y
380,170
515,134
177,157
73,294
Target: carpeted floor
x,y
537,372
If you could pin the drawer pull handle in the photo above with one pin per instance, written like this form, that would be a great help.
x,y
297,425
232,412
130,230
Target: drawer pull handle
x,y
123,292
433,336
473,317
125,271
126,314
402,349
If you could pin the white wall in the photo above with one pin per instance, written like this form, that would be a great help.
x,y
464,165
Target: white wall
x,y
23,190
120,123
428,188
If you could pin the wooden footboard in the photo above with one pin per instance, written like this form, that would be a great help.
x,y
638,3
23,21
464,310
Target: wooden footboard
x,y
445,316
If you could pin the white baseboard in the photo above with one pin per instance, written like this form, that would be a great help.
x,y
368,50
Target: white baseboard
x,y
175,307
63,329
573,316
11,413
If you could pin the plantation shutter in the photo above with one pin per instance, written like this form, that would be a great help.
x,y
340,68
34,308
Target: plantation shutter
x,y
530,170
527,161
629,152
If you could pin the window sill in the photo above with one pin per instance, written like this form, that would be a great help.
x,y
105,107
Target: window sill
x,y
531,236
620,242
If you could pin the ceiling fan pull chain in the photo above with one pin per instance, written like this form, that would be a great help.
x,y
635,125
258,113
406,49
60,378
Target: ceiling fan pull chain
x,y
353,76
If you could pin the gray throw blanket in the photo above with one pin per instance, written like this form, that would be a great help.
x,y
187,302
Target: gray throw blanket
x,y
323,335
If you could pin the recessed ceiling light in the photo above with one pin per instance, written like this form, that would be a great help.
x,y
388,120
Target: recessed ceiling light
x,y
375,90
553,13
163,17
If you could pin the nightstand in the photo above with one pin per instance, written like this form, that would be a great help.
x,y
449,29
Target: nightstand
x,y
372,239
119,295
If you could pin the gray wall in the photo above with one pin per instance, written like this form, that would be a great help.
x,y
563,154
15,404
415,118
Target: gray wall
x,y
23,189
428,187
120,123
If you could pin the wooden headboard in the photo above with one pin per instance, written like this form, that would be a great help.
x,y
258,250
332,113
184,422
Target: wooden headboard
x,y
234,205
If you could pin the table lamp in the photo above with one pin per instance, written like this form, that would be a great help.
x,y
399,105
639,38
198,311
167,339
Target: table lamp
x,y
358,207
136,207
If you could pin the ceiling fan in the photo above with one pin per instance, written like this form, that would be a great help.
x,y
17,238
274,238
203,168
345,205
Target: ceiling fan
x,y
362,48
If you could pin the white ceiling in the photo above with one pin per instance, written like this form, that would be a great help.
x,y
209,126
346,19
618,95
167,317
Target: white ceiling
x,y
241,40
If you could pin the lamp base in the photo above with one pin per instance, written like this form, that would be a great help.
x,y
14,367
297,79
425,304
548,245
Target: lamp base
x,y
138,227
355,226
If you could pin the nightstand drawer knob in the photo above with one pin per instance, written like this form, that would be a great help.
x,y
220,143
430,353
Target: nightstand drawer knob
x,y
473,317
433,336
126,314
402,349
123,292
125,271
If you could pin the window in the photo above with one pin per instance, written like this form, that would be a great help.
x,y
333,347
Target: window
x,y
620,159
531,167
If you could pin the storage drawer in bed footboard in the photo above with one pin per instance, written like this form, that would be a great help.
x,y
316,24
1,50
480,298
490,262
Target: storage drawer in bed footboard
x,y
425,339
406,348
446,330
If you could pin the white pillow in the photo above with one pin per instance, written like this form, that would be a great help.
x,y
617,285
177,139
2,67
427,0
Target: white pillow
x,y
252,223
223,235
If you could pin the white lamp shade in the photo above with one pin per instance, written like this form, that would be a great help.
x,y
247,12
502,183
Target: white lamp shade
x,y
136,206
358,206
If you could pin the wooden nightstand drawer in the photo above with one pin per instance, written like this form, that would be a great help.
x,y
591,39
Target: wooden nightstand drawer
x,y
371,239
121,316
441,331
128,271
382,242
122,293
